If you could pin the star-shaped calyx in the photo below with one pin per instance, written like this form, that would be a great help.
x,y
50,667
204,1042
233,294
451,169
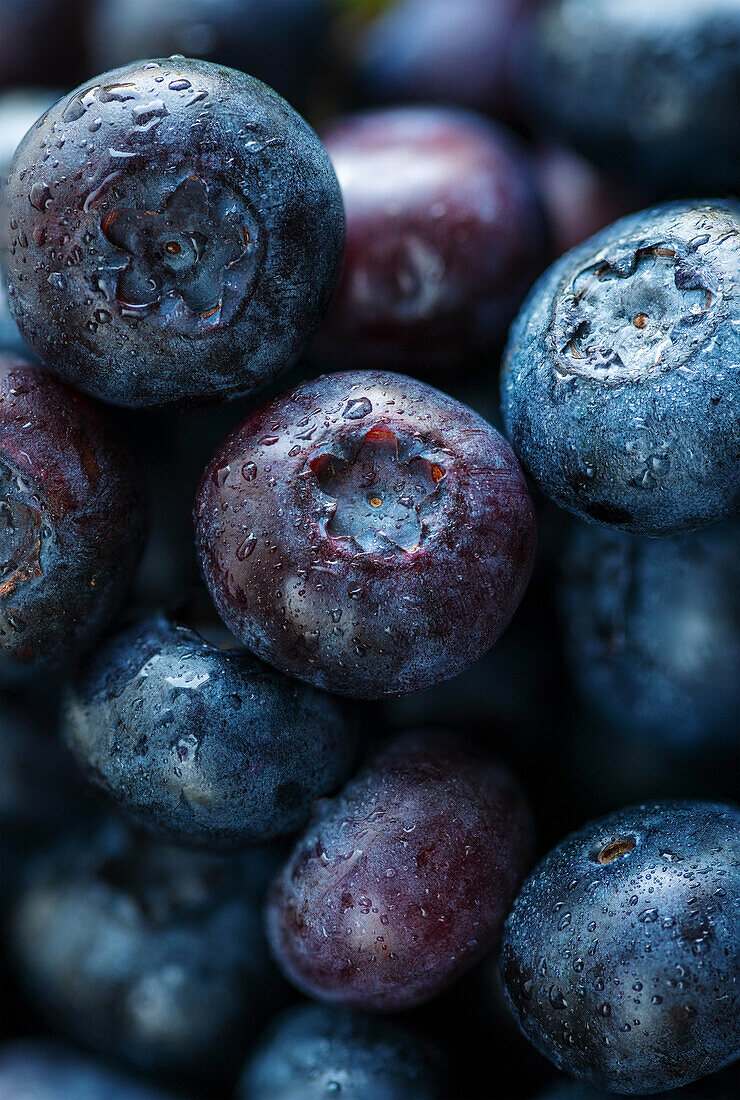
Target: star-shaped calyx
x,y
376,497
180,252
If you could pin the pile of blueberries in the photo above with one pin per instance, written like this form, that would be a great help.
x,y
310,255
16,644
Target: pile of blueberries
x,y
342,480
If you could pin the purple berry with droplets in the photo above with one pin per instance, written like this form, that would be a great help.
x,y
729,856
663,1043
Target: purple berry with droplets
x,y
404,880
366,533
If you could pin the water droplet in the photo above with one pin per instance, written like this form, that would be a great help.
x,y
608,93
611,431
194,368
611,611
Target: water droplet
x,y
356,409
40,196
179,85
648,916
246,547
249,471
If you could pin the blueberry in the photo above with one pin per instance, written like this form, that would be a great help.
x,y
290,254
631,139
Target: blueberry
x,y
41,1069
448,51
199,745
278,41
619,391
653,632
148,954
648,89
345,526
445,236
315,1052
405,878
175,232
620,956
71,525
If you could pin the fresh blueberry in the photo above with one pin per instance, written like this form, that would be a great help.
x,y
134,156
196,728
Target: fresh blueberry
x,y
448,51
149,954
648,89
445,236
71,526
619,390
200,745
315,1052
653,634
277,41
404,880
175,232
41,1069
366,533
620,956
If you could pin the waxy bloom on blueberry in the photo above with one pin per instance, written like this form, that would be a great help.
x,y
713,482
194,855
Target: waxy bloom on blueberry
x,y
173,232
620,387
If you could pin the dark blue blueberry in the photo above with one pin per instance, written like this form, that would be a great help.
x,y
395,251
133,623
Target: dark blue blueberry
x,y
315,1052
149,954
175,232
621,953
445,236
71,523
202,745
649,90
42,1069
653,634
403,880
344,527
620,392
277,41
448,51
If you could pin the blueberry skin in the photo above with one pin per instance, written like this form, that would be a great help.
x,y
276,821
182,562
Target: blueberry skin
x,y
649,90
315,1052
403,881
345,525
175,233
445,235
41,1069
620,956
620,389
202,746
71,523
277,41
652,632
148,954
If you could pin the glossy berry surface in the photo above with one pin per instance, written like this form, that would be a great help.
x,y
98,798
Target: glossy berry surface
x,y
404,880
343,524
445,235
619,392
620,956
277,41
649,90
653,634
46,1070
71,525
152,955
317,1052
200,745
175,229
450,51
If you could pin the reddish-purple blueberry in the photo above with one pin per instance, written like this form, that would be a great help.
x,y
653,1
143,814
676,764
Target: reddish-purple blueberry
x,y
71,523
366,533
405,879
445,235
